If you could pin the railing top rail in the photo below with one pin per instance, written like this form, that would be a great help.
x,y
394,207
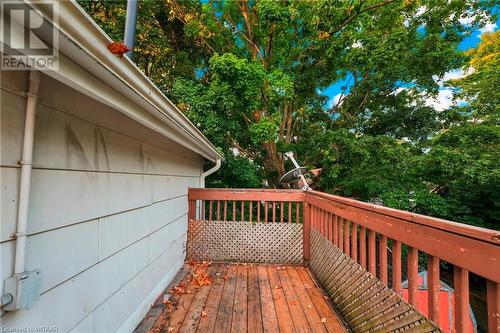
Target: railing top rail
x,y
482,234
226,194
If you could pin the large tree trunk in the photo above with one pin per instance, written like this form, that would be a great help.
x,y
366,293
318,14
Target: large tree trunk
x,y
274,165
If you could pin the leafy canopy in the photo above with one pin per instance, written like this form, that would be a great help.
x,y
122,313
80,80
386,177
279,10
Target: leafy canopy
x,y
252,74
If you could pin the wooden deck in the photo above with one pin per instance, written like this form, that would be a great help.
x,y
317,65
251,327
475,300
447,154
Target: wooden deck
x,y
242,298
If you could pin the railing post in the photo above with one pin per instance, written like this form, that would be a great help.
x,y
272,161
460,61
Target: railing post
x,y
306,227
191,210
493,299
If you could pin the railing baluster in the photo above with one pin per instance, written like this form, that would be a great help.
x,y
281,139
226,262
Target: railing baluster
x,y
290,218
203,217
493,300
234,211
330,226
335,230
347,243
322,222
354,241
218,210
340,222
461,286
225,211
412,275
274,211
314,223
297,213
210,212
383,258
433,287
251,212
362,247
396,267
315,218
281,212
325,223
242,211
372,265
258,211
266,212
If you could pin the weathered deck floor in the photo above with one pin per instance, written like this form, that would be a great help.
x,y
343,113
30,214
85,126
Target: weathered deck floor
x,y
244,298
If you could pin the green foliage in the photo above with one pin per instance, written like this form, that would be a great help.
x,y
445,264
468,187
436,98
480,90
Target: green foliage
x,y
265,130
249,74
463,167
239,172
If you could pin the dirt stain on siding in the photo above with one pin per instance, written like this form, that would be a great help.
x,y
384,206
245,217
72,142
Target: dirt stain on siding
x,y
75,148
100,142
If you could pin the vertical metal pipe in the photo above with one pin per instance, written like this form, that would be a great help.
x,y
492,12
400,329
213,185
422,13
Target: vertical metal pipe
x,y
130,26
25,183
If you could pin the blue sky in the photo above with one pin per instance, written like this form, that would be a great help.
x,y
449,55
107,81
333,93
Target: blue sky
x,y
444,98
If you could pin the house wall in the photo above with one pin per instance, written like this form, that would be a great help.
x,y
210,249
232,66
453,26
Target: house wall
x,y
108,209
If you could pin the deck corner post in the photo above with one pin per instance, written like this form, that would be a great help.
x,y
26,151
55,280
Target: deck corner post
x,y
307,233
191,210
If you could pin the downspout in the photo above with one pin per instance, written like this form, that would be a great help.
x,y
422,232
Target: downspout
x,y
130,26
26,163
22,289
209,172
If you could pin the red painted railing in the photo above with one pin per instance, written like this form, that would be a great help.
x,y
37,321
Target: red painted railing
x,y
368,233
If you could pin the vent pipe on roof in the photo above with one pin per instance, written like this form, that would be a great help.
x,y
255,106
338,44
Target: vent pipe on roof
x,y
130,27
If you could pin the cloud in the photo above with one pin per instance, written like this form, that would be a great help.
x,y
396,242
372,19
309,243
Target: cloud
x,y
442,101
452,75
420,11
489,27
357,45
467,20
334,101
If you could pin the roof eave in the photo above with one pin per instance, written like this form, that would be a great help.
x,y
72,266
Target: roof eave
x,y
76,25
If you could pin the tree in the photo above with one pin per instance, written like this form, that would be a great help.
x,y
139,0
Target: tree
x,y
462,165
480,87
268,59
251,75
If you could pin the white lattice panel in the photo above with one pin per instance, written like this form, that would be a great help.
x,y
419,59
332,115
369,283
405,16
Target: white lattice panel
x,y
277,243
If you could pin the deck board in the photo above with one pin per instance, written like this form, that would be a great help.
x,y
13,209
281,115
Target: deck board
x,y
249,298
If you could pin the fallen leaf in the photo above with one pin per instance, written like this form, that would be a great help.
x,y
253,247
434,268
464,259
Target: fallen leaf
x,y
309,306
203,314
179,290
201,278
293,302
170,329
323,320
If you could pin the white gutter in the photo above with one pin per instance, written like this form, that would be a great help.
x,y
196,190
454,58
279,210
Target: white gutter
x,y
209,172
26,163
